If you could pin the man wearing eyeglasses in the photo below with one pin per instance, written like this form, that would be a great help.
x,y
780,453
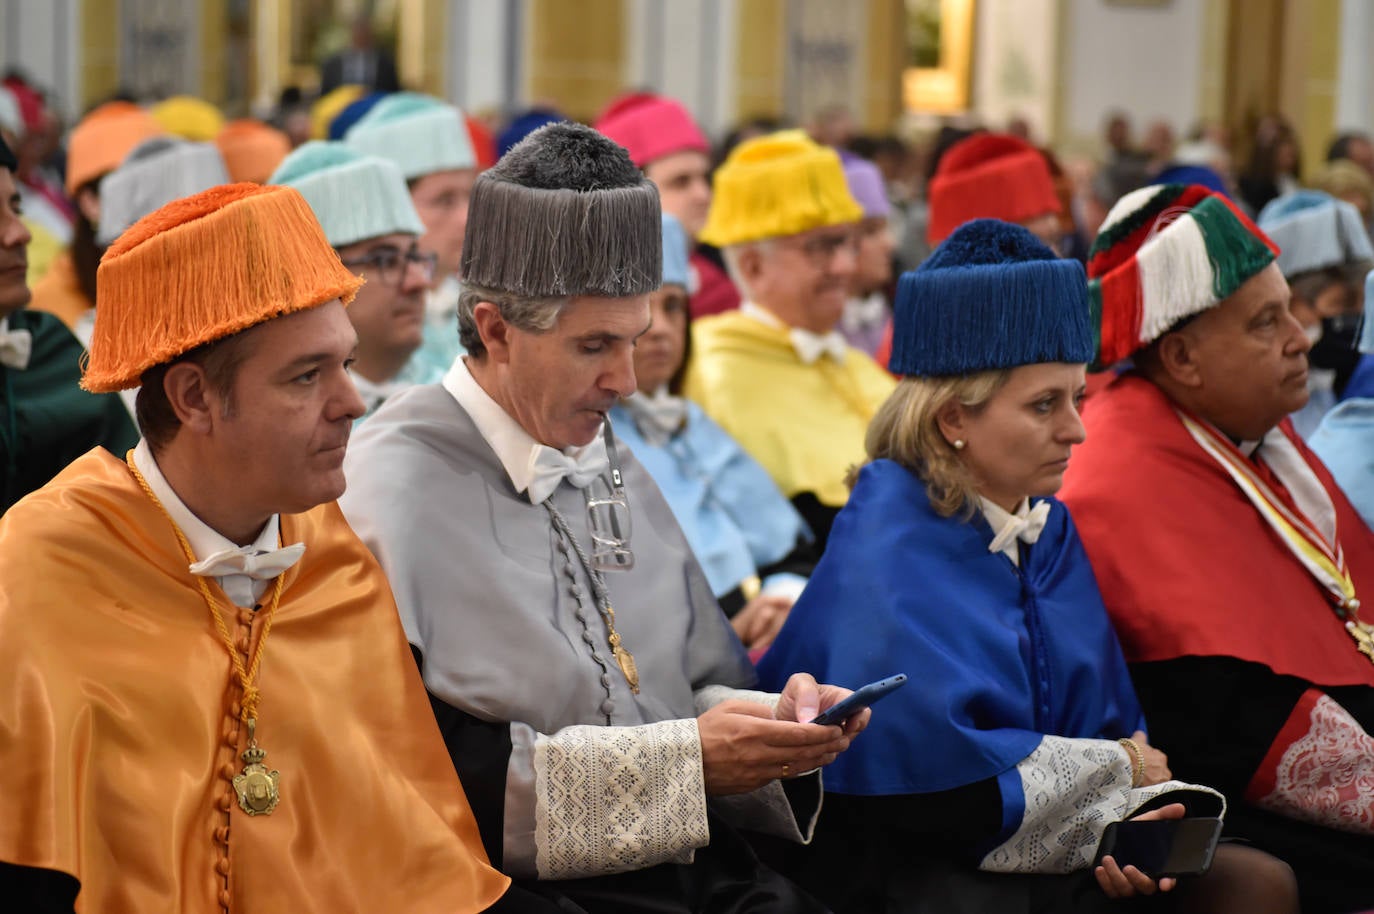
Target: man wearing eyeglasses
x,y
591,692
363,207
428,140
777,374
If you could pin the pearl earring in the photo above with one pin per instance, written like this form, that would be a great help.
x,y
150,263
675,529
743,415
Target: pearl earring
x,y
958,444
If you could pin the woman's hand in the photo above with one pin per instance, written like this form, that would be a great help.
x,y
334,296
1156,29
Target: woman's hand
x,y
1118,882
758,623
1156,763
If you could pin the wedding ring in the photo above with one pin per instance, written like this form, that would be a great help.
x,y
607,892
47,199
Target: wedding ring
x,y
786,770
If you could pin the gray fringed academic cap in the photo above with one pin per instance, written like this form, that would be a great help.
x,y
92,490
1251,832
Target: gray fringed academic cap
x,y
564,213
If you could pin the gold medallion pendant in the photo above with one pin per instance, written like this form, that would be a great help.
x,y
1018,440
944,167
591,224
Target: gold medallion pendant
x,y
257,786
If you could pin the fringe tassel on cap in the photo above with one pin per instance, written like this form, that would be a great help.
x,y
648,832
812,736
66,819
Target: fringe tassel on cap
x,y
992,296
203,268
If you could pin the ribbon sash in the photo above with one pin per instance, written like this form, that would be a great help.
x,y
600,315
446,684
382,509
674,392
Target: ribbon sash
x,y
1324,560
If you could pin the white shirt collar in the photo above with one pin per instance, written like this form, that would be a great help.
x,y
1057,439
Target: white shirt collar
x,y
997,518
808,345
204,540
514,447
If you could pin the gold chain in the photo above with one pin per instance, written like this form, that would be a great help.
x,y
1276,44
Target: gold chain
x,y
249,706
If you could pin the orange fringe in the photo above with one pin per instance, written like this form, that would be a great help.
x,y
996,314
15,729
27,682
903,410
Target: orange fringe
x,y
203,268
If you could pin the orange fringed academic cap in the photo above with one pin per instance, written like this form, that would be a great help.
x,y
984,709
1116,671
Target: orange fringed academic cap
x,y
101,140
203,268
252,150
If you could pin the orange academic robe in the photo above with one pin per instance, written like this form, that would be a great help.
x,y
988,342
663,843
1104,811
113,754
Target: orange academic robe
x,y
119,732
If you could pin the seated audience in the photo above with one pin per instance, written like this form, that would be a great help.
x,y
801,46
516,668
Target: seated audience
x,y
226,717
363,206
46,419
592,694
1020,737
776,374
752,544
1230,562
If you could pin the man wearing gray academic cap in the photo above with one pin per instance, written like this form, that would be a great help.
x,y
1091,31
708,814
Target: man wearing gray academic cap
x,y
592,694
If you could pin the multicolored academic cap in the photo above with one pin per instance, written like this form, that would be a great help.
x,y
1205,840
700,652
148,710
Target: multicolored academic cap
x,y
355,196
1166,253
420,133
867,186
990,296
522,125
331,105
153,174
351,114
776,185
203,268
101,140
651,126
7,159
189,117
677,270
989,176
1315,231
564,213
251,149
1179,173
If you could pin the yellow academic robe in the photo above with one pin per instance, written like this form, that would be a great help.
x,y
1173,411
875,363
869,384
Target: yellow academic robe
x,y
119,732
804,423
59,292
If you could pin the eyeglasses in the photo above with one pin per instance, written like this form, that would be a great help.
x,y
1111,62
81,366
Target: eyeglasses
x,y
608,515
821,249
391,265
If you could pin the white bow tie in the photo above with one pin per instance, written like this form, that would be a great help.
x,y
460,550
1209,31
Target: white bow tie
x,y
549,467
657,417
811,346
1026,528
15,348
258,564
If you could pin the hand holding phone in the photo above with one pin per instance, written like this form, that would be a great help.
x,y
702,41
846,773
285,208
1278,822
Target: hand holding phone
x,y
862,698
1162,848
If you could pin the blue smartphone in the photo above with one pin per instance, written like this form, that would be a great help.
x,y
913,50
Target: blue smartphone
x,y
861,699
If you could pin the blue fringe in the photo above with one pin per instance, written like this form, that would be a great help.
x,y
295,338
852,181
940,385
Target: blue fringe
x,y
990,297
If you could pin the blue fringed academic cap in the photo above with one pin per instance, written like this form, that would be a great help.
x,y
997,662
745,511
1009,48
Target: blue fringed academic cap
x,y
990,296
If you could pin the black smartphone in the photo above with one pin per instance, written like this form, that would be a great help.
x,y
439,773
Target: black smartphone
x,y
1162,847
862,698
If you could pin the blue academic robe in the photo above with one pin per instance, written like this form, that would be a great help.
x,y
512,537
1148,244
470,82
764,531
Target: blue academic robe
x,y
999,657
734,516
1345,443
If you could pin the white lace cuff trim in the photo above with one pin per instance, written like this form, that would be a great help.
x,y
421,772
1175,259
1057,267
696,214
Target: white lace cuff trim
x,y
1327,775
1073,788
707,697
615,799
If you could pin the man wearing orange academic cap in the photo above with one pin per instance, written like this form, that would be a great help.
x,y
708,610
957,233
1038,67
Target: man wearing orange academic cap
x,y
207,702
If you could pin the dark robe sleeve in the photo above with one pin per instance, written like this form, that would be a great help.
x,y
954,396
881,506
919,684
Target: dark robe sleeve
x,y
1215,717
818,517
481,753
862,843
36,891
800,561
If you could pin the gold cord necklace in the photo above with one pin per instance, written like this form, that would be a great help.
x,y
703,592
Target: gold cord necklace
x,y
257,787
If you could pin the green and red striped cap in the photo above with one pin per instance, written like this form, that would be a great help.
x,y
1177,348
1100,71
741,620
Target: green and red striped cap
x,y
1166,253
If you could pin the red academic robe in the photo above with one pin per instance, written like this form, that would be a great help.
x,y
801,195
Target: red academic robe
x,y
1247,676
119,731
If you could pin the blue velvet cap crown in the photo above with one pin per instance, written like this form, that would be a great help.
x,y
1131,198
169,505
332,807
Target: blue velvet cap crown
x,y
990,296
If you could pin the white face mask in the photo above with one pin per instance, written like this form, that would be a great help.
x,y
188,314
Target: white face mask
x,y
1313,333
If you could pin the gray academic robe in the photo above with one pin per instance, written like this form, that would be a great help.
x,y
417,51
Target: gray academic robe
x,y
570,774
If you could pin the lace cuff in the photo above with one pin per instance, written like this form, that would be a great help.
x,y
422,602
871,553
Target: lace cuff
x,y
1321,769
1072,789
707,697
615,799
